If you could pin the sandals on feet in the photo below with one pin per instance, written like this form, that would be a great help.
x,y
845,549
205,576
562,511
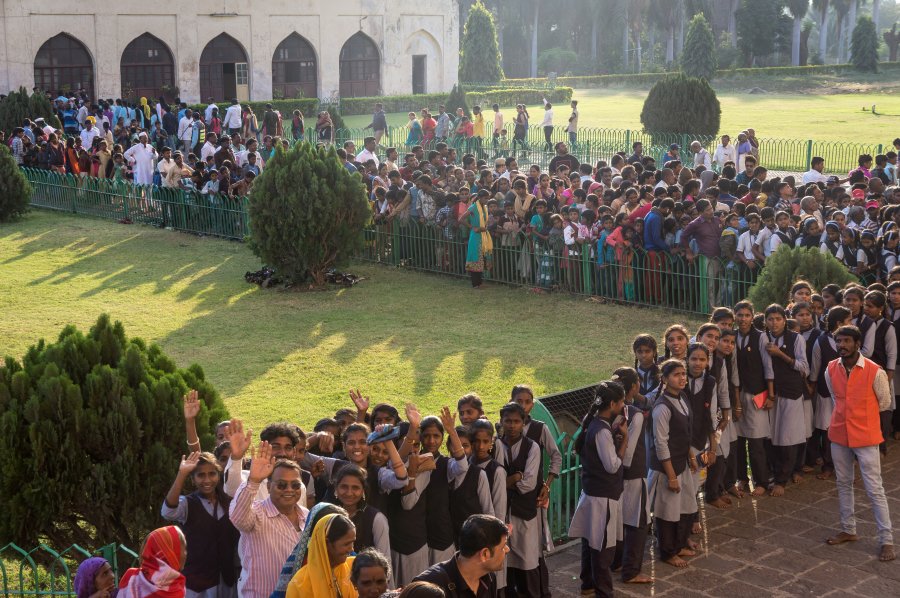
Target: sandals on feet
x,y
842,538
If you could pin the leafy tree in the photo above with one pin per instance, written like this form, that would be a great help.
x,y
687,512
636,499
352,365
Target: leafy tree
x,y
681,104
790,264
479,55
15,190
90,436
14,110
699,56
864,45
457,99
892,40
757,22
307,213
39,105
557,60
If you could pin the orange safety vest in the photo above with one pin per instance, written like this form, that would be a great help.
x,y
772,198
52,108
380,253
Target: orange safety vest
x,y
855,421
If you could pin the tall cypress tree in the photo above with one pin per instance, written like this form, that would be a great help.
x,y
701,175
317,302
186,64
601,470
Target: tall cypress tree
x,y
864,45
15,191
698,59
681,104
479,53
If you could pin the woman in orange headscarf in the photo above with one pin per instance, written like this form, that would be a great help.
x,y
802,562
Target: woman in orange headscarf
x,y
159,574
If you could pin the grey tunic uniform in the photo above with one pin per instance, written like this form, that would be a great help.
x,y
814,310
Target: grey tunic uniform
x,y
525,541
788,417
754,422
593,511
548,445
498,500
668,505
632,500
890,350
824,404
723,391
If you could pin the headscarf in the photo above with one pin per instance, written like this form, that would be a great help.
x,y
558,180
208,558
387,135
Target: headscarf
x,y
145,108
297,557
84,577
158,575
317,578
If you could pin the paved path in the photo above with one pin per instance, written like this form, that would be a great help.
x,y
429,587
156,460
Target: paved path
x,y
770,547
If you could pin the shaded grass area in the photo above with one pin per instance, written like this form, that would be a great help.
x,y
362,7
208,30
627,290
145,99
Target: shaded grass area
x,y
786,115
275,354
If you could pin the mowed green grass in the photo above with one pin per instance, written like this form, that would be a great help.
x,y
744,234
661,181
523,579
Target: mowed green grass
x,y
836,117
399,336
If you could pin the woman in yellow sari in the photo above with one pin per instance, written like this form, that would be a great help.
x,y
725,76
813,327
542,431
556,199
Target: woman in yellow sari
x,y
479,256
326,573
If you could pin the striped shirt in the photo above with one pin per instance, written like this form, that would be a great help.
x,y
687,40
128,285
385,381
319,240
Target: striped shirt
x,y
267,538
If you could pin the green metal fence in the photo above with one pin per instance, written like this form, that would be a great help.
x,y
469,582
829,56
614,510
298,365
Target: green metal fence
x,y
629,275
43,571
189,211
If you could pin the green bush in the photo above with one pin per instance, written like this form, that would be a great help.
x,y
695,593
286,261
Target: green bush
x,y
457,99
15,190
864,45
681,104
698,59
91,435
790,264
557,60
479,55
307,213
18,105
483,97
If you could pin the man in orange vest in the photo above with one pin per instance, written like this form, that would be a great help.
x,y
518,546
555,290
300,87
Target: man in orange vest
x,y
860,390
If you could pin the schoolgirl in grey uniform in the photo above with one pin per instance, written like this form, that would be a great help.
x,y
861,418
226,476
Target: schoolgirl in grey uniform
x,y
671,488
481,433
635,509
880,345
824,351
597,518
754,366
787,350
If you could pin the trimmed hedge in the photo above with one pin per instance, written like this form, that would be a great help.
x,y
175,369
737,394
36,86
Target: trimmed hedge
x,y
595,81
486,97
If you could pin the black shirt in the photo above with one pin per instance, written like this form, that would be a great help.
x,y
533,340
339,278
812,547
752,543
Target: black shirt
x,y
446,576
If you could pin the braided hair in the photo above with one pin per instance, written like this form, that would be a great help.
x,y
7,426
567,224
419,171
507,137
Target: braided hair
x,y
605,394
672,329
666,369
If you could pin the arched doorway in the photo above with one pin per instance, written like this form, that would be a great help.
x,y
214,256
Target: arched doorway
x,y
360,67
223,70
63,65
147,69
294,69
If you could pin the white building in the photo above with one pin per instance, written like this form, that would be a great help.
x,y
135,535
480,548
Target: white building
x,y
250,49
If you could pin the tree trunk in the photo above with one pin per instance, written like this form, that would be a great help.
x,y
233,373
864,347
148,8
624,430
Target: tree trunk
x,y
841,32
876,13
651,43
795,42
534,39
679,31
595,34
625,57
670,44
848,28
732,22
823,34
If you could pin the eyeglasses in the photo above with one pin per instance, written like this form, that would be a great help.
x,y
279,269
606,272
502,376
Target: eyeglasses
x,y
282,485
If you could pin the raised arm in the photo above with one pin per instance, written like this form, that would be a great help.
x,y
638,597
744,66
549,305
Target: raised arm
x,y
175,509
191,409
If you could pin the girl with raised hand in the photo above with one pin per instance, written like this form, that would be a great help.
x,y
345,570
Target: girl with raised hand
x,y
672,491
786,385
597,518
203,516
471,494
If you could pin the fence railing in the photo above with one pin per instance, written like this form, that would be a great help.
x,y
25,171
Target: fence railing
x,y
188,211
626,274
43,571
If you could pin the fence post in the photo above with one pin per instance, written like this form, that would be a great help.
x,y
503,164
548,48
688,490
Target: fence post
x,y
809,154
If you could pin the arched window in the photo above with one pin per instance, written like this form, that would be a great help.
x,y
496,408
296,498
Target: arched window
x,y
147,69
294,69
223,70
360,67
63,65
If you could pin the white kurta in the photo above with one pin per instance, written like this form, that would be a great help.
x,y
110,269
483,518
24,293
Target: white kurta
x,y
143,157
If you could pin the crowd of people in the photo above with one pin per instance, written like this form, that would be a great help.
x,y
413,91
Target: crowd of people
x,y
373,503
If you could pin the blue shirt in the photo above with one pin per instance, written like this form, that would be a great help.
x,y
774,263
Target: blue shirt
x,y
653,235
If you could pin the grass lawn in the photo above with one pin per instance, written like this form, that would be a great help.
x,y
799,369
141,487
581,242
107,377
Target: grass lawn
x,y
398,335
827,117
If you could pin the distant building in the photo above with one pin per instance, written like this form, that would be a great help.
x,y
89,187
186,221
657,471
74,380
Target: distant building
x,y
252,50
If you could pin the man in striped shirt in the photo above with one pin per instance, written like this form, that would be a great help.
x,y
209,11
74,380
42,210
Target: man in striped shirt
x,y
269,528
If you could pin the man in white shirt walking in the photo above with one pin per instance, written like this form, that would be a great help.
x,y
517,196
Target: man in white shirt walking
x,y
207,114
725,152
232,120
498,126
547,124
572,128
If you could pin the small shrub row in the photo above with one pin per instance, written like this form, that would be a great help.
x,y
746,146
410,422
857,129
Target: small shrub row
x,y
484,97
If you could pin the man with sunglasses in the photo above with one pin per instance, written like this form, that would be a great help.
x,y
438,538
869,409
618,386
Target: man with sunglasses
x,y
269,528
